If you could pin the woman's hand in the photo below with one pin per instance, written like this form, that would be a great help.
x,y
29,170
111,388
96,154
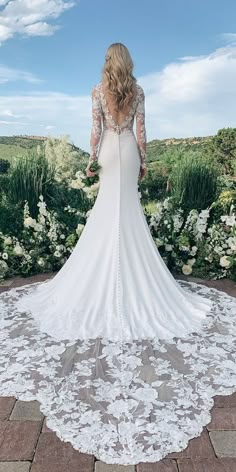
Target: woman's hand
x,y
89,173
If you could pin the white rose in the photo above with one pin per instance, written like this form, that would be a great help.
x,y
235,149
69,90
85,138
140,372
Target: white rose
x,y
224,262
7,241
168,247
193,250
57,254
3,265
40,262
191,262
18,250
187,269
5,255
158,242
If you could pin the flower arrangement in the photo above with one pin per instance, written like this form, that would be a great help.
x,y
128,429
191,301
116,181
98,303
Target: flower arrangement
x,y
201,243
195,244
44,245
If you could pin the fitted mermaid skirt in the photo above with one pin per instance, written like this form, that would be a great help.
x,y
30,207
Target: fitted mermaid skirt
x,y
124,360
115,284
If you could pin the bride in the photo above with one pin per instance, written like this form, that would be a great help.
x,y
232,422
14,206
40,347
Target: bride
x,y
124,360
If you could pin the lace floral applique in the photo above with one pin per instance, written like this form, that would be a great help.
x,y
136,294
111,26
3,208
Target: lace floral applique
x,y
96,124
101,115
140,126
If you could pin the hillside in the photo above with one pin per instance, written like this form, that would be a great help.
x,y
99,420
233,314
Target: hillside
x,y
13,146
157,147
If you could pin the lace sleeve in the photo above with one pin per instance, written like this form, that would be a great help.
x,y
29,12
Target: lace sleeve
x,y
96,124
140,127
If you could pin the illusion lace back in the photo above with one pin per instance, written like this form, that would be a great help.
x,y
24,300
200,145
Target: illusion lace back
x,y
124,360
103,112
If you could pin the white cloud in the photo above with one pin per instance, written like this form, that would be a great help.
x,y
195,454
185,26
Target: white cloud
x,y
193,96
11,75
30,17
12,123
229,37
47,113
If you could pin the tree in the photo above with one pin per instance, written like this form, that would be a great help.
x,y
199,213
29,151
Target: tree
x,y
60,152
223,148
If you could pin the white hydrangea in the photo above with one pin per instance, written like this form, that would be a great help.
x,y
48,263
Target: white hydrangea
x,y
229,220
7,241
29,222
187,269
169,247
225,262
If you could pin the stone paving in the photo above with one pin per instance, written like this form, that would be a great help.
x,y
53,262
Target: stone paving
x,y
27,445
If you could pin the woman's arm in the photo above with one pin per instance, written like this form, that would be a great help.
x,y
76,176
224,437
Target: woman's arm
x,y
140,128
96,130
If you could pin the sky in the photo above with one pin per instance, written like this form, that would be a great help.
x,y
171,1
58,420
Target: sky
x,y
52,53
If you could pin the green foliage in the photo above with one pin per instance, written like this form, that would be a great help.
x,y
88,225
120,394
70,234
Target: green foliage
x,y
223,149
194,183
222,205
11,218
4,166
153,186
158,149
30,176
60,197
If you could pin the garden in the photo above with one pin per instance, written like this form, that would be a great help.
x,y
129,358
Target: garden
x,y
188,196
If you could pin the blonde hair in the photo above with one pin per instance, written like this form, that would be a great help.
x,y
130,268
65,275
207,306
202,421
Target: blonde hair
x,y
117,75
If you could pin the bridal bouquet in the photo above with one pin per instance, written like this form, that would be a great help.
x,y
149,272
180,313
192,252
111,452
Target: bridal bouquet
x,y
95,166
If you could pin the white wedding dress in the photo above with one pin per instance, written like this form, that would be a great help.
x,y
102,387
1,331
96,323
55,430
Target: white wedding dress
x,y
124,360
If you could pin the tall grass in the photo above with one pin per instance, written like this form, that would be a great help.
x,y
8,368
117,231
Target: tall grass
x,y
194,182
30,176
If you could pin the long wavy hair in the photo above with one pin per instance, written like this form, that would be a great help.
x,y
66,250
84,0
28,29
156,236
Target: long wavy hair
x,y
117,75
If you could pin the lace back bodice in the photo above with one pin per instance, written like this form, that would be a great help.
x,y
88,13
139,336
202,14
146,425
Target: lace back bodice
x,y
103,119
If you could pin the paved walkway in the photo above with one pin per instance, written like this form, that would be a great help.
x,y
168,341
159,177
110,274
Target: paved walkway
x,y
26,444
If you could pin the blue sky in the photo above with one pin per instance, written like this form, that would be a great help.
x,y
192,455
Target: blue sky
x,y
52,52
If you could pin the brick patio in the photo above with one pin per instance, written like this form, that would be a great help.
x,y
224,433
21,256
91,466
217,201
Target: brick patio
x,y
26,444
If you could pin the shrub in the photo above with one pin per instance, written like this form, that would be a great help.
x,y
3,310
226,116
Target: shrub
x,y
4,166
31,176
153,186
194,183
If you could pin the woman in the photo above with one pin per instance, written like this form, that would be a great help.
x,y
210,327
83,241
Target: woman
x,y
123,359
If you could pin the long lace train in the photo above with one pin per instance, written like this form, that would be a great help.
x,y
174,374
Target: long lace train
x,y
124,402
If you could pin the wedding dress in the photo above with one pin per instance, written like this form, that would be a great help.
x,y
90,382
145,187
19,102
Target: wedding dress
x,y
124,360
